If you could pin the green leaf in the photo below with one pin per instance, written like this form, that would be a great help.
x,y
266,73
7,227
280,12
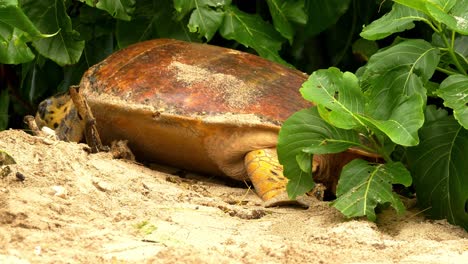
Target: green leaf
x,y
432,113
12,15
4,104
251,31
152,19
452,13
206,17
454,91
337,95
306,132
421,5
439,168
121,9
460,13
183,7
399,19
364,49
13,46
50,16
303,160
284,11
205,21
363,186
324,13
394,81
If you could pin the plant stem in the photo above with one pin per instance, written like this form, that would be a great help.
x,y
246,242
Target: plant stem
x,y
448,72
451,52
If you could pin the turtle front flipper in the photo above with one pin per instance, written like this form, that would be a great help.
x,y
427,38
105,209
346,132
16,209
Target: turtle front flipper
x,y
266,174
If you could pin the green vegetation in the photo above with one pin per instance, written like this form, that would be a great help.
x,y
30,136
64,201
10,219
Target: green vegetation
x,y
383,108
398,89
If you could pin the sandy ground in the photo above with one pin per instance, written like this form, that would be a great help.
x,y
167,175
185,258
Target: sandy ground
x,y
75,207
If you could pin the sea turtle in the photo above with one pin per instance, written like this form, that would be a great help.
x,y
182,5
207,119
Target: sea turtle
x,y
193,106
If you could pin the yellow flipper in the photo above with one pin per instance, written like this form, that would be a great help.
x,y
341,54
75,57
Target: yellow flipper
x,y
266,173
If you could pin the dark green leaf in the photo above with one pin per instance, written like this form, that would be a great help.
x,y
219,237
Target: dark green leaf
x,y
324,13
205,21
362,186
50,16
152,19
432,113
306,132
337,95
4,104
206,17
401,18
454,91
439,168
183,7
251,31
121,9
364,49
284,11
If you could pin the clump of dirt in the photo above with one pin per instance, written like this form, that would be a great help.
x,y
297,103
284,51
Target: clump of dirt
x,y
74,207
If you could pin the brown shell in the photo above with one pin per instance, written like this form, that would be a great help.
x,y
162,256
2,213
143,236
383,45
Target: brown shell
x,y
190,105
190,78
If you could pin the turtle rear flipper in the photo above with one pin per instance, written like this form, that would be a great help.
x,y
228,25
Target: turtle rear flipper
x,y
266,174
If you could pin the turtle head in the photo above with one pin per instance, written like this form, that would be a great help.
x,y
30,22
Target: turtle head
x,y
59,113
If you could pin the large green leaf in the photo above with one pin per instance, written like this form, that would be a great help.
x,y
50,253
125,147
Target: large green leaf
x,y
121,9
324,13
399,19
284,11
401,127
306,132
362,186
15,31
13,46
338,96
440,171
394,81
50,16
454,91
12,15
251,31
